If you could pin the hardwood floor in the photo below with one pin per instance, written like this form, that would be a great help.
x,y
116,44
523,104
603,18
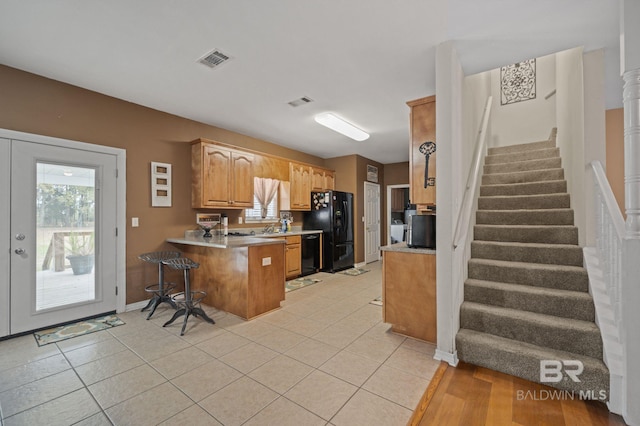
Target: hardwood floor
x,y
471,395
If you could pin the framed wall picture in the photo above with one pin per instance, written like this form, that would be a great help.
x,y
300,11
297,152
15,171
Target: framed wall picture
x,y
160,184
372,173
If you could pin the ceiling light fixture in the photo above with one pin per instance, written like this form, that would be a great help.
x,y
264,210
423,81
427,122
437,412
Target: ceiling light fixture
x,y
339,125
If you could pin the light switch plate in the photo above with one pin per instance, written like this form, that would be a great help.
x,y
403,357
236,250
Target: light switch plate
x,y
266,261
134,222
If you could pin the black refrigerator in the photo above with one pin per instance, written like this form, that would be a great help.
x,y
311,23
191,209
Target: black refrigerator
x,y
332,213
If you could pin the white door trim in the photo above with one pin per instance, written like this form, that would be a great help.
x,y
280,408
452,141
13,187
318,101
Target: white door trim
x,y
389,188
5,245
366,215
121,208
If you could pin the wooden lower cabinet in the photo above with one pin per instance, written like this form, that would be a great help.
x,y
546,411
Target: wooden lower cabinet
x,y
409,293
293,256
245,281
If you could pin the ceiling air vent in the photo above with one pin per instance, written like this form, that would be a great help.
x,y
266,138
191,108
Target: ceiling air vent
x,y
303,100
214,59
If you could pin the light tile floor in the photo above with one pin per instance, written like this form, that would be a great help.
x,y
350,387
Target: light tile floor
x,y
325,358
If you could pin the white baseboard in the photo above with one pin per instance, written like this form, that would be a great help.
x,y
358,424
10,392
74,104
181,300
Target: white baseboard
x,y
450,358
136,306
360,265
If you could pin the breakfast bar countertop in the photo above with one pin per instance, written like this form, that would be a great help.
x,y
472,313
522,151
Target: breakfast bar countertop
x,y
218,241
195,238
403,248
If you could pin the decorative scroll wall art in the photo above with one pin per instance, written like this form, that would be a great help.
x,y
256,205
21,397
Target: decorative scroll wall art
x,y
518,82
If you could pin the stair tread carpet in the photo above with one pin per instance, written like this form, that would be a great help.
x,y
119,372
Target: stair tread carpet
x,y
524,176
530,146
550,234
563,216
543,300
562,277
525,188
525,165
532,202
576,336
523,360
522,155
557,254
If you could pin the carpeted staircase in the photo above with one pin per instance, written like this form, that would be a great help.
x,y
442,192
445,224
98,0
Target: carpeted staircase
x,y
526,298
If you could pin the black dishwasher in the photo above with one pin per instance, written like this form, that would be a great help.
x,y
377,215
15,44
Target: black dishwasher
x,y
310,254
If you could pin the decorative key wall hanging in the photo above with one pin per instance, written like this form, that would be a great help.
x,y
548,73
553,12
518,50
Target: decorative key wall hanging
x,y
426,149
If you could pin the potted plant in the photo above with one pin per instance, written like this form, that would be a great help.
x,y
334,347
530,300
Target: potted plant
x,y
81,252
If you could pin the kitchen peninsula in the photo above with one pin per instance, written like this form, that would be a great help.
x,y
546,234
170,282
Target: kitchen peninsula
x,y
409,290
244,276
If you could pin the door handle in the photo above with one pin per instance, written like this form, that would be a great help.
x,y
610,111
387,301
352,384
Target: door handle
x,y
20,251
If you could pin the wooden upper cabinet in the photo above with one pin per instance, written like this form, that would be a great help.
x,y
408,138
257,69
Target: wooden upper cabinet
x,y
242,179
221,177
423,135
300,178
329,180
317,179
322,179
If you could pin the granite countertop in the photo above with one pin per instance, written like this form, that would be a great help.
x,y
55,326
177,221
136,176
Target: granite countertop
x,y
402,247
225,242
195,238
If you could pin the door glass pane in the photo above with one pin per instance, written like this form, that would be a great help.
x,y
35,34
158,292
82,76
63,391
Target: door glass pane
x,y
65,235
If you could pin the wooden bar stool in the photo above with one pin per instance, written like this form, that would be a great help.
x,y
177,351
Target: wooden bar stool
x,y
187,300
161,291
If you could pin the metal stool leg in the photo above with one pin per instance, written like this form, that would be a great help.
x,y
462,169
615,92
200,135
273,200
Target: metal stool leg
x,y
189,305
161,291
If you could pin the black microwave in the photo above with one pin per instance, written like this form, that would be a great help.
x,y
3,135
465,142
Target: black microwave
x,y
421,231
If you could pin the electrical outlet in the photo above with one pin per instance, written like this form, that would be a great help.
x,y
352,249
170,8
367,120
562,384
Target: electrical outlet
x,y
239,220
266,261
134,222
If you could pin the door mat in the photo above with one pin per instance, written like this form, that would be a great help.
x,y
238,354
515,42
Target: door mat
x,y
377,301
299,283
354,271
52,335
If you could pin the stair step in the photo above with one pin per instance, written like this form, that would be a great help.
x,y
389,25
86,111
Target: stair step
x,y
529,188
561,303
521,166
536,154
527,233
553,254
531,146
529,202
525,217
561,277
523,177
580,337
523,360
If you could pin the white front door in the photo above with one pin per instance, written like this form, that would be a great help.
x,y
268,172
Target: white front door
x,y
372,222
62,204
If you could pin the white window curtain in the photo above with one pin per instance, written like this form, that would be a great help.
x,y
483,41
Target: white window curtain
x,y
265,189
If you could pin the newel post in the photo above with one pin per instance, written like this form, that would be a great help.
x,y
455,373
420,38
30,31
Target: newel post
x,y
631,101
630,291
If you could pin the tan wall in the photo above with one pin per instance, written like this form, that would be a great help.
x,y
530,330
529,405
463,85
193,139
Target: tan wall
x,y
396,173
615,154
35,104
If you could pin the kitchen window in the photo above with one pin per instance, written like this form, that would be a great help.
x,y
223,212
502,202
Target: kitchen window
x,y
254,214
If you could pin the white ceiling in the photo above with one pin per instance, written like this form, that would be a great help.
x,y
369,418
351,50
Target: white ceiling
x,y
361,59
